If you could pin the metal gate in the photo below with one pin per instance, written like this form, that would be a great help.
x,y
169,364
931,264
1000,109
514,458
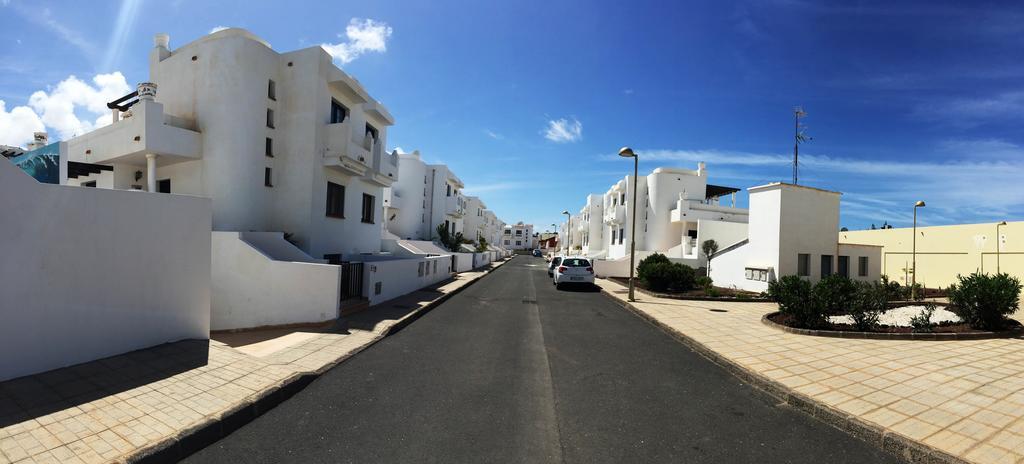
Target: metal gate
x,y
351,280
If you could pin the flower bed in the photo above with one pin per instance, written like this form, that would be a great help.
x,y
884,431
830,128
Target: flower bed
x,y
949,330
719,293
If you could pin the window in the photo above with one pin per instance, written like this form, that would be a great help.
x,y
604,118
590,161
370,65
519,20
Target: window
x,y
622,235
420,269
519,242
435,266
506,242
519,233
333,258
449,192
270,118
803,265
377,288
613,236
162,186
844,266
862,266
271,90
91,183
368,208
338,112
268,175
269,148
335,200
575,262
826,265
372,131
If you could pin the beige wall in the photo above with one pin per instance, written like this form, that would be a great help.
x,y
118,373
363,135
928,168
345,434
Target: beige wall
x,y
945,251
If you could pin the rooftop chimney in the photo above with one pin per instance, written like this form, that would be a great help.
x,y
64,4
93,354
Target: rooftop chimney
x,y
147,90
161,40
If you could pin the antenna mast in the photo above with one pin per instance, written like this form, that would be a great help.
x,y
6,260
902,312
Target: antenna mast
x,y
798,137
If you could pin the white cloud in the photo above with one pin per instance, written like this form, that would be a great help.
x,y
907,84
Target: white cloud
x,y
17,125
563,130
216,29
363,35
493,135
75,107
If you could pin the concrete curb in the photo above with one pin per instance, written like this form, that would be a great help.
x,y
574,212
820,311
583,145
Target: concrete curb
x,y
209,431
936,336
903,447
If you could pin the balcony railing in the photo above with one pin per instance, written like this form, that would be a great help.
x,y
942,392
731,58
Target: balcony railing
x,y
615,215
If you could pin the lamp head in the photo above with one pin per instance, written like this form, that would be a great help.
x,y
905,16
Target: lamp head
x,y
919,204
565,212
626,152
1003,223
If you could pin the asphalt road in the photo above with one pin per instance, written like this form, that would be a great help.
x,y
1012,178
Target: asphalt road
x,y
512,370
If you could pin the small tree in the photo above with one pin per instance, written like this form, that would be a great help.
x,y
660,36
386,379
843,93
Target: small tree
x,y
709,247
449,240
482,245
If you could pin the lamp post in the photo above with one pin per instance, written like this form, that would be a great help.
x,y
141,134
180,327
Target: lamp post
x,y
999,244
913,262
627,152
568,230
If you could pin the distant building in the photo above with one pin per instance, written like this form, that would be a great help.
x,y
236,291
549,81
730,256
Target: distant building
x,y
519,236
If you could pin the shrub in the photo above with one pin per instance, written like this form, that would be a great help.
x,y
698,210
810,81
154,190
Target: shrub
x,y
665,276
704,282
869,301
985,301
834,294
794,296
893,290
922,322
644,266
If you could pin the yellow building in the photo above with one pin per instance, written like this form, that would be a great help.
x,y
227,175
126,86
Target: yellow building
x,y
945,251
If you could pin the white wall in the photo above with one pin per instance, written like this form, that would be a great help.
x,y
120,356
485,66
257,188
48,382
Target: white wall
x,y
400,275
88,273
252,290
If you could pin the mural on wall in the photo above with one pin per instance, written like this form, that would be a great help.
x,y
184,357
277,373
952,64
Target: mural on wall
x,y
43,163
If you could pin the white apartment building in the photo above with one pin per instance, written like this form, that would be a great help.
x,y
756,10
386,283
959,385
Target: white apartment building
x,y
793,230
518,236
280,141
475,220
679,210
424,197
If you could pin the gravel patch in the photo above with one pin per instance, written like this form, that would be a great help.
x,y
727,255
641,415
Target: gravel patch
x,y
900,317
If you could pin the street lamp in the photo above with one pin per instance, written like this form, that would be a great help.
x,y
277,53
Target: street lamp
x,y
998,244
627,152
913,262
568,230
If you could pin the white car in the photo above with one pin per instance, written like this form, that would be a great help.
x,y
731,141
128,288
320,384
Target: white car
x,y
573,271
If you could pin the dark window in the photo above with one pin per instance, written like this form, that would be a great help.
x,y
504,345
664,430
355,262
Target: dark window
x,y
372,131
803,265
91,183
270,118
826,265
163,186
268,176
613,236
519,233
622,235
270,147
449,193
335,200
575,262
368,208
271,90
338,112
844,266
862,266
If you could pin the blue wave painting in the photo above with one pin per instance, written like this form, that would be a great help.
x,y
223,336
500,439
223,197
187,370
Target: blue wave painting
x,y
43,164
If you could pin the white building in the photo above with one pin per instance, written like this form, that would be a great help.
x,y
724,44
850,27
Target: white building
x,y
280,141
518,236
679,210
475,220
425,197
793,230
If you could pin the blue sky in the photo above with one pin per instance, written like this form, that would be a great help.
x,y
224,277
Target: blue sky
x,y
528,101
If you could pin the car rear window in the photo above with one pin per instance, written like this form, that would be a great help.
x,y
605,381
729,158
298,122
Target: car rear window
x,y
555,261
576,262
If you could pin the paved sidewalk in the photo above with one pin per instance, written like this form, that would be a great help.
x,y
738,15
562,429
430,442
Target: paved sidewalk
x,y
122,408
963,398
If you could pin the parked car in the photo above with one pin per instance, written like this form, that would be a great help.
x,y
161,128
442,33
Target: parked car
x,y
555,261
573,271
537,253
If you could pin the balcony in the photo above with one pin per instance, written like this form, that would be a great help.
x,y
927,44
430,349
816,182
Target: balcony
x,y
616,215
147,130
393,199
385,167
455,206
344,154
691,210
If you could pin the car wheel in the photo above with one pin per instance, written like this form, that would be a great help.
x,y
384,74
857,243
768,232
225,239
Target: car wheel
x,y
558,286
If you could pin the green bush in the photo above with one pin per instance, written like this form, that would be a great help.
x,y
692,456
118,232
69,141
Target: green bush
x,y
834,294
668,276
870,300
893,290
985,301
704,282
922,322
794,296
644,266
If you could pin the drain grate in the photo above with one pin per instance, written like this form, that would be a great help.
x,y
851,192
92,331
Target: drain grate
x,y
529,301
